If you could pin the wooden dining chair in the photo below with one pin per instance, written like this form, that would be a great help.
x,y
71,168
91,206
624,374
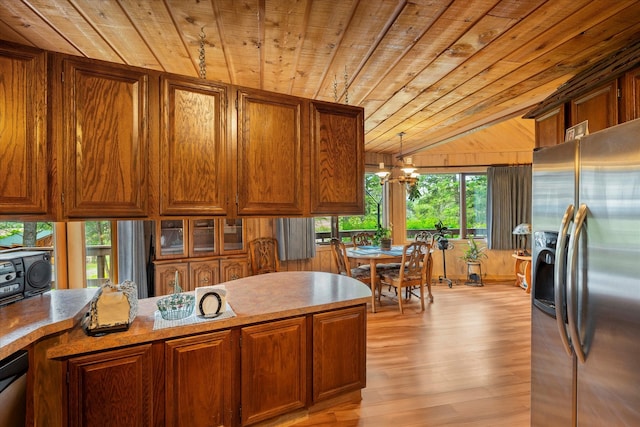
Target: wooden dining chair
x,y
424,236
339,253
415,271
362,239
263,254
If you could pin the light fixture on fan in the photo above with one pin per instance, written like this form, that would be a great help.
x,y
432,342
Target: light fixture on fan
x,y
409,175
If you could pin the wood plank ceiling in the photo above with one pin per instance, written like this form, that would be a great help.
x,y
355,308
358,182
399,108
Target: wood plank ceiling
x,y
434,69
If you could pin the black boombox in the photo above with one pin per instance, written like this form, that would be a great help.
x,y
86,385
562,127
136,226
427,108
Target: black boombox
x,y
24,274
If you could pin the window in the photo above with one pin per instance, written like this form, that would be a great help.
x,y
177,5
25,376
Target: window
x,y
332,226
98,255
458,200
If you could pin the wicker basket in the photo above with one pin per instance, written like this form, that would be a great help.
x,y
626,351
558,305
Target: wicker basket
x,y
176,306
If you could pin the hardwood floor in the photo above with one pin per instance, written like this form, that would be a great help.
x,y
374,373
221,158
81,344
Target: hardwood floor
x,y
465,361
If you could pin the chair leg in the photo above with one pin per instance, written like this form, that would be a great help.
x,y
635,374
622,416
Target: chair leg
x,y
429,288
422,295
399,293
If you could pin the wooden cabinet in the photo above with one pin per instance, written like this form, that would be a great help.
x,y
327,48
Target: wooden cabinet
x,y
200,373
630,96
104,114
203,273
339,352
23,132
193,152
233,268
337,159
165,277
599,106
273,360
270,136
550,128
112,388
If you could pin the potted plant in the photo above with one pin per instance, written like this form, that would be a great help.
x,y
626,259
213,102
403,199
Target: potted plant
x,y
382,238
441,236
473,256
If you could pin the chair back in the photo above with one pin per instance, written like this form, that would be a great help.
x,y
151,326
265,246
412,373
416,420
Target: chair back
x,y
263,253
415,261
424,236
362,239
339,252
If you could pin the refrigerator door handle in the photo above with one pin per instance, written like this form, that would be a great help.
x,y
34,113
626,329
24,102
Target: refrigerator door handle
x,y
559,276
572,287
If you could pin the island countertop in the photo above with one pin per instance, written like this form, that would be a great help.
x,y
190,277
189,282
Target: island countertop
x,y
26,321
253,299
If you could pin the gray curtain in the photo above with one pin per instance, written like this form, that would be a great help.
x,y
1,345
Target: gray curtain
x,y
296,238
509,197
132,255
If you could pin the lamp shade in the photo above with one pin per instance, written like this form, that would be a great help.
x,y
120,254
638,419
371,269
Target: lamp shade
x,y
522,229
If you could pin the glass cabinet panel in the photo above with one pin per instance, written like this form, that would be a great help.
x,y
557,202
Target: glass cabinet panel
x,y
203,237
232,235
172,239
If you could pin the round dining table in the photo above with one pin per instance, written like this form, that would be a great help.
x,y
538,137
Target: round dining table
x,y
374,255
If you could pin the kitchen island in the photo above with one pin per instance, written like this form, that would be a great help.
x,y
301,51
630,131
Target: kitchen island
x,y
297,341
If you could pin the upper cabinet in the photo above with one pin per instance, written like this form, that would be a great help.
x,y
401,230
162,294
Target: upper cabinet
x,y
105,141
23,137
193,152
271,151
337,159
598,106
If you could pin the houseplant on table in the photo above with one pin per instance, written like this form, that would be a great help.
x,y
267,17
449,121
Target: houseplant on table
x,y
473,256
382,238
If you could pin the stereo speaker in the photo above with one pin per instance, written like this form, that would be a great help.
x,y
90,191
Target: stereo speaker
x,y
37,273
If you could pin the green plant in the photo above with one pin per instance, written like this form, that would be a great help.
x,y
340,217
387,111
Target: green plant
x,y
474,253
381,233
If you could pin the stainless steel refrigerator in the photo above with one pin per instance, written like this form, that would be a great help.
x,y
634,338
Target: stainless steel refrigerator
x,y
585,318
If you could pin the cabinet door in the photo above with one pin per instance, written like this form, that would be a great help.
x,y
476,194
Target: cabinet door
x,y
172,239
165,277
550,128
23,138
339,352
232,236
599,106
273,360
233,268
337,159
270,154
203,237
193,151
199,373
105,138
631,95
203,273
112,388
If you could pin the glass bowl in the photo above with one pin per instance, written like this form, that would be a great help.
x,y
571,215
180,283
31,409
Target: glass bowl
x,y
176,306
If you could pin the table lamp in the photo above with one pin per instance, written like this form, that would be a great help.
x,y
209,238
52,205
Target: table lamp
x,y
523,229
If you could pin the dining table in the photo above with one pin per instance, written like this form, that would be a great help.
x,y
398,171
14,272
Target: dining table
x,y
375,255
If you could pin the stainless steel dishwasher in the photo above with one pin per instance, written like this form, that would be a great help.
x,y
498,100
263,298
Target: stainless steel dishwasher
x,y
13,389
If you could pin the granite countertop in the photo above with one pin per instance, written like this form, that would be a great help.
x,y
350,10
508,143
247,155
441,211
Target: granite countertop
x,y
26,321
253,299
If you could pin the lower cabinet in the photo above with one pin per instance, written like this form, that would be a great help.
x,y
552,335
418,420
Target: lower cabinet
x,y
194,274
112,388
199,380
273,360
339,352
234,377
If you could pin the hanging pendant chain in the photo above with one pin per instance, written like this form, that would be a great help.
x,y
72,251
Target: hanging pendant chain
x,y
203,64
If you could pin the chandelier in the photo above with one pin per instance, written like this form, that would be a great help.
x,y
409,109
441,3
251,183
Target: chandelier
x,y
409,176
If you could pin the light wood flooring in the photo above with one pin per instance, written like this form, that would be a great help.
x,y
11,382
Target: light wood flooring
x,y
465,361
